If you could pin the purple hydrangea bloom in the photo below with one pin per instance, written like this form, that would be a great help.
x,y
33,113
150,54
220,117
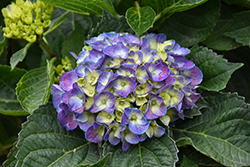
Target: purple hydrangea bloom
x,y
123,85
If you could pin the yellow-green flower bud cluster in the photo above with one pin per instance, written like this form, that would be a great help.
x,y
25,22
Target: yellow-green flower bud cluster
x,y
26,20
65,66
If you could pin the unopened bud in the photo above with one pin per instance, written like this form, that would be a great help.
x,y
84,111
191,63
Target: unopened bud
x,y
31,38
46,23
39,30
27,7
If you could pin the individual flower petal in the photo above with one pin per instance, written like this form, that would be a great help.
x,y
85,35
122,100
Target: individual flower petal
x,y
99,43
66,117
92,76
57,92
124,85
85,120
175,49
155,107
95,133
158,71
137,123
104,80
105,117
136,56
125,72
103,101
67,80
196,75
155,130
80,70
83,54
95,59
130,40
141,74
117,51
147,55
75,99
110,62
181,63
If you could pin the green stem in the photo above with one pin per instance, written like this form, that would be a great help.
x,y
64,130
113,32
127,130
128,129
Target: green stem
x,y
46,47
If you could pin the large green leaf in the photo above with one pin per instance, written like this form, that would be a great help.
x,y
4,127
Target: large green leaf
x,y
153,152
240,28
9,105
43,141
222,131
34,87
140,19
243,3
169,7
216,70
85,7
110,23
56,22
191,27
217,40
19,56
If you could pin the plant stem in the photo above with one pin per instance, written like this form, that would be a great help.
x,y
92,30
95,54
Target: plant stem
x,y
46,47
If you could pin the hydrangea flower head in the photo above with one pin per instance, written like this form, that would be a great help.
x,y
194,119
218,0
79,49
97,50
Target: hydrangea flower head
x,y
124,86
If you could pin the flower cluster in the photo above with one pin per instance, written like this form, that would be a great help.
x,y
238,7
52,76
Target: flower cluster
x,y
26,20
124,86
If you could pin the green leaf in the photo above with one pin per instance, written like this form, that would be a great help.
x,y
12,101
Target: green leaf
x,y
152,152
191,27
217,40
216,70
19,56
84,7
74,43
43,141
140,19
169,7
187,163
240,28
243,3
222,131
34,87
9,105
109,23
56,22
